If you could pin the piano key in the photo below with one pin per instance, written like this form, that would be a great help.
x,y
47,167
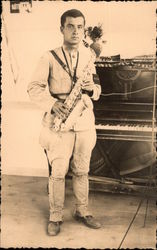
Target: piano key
x,y
126,127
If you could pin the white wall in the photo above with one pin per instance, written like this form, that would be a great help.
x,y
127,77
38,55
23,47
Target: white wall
x,y
129,30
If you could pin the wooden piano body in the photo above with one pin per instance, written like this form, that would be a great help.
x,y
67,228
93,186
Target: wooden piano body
x,y
124,158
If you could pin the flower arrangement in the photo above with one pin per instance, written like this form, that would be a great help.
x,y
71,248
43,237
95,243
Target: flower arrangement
x,y
94,33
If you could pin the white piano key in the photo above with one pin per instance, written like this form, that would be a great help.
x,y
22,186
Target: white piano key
x,y
126,128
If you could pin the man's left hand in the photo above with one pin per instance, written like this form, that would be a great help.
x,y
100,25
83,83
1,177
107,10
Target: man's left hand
x,y
88,87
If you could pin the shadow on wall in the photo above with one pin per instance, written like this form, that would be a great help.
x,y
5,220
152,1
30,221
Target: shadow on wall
x,y
21,152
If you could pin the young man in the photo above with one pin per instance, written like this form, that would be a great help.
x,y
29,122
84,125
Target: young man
x,y
76,143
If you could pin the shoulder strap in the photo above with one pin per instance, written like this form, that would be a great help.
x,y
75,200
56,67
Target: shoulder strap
x,y
59,60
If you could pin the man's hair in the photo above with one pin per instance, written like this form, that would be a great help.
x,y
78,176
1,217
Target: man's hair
x,y
71,13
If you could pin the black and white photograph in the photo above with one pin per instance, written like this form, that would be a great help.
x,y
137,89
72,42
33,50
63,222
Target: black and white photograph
x,y
78,124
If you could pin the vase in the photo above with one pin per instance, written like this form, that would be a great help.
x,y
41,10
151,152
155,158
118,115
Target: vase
x,y
97,47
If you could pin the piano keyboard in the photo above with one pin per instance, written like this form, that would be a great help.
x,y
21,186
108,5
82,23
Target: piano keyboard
x,y
130,127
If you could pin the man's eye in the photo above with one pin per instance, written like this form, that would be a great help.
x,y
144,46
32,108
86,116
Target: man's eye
x,y
70,26
80,27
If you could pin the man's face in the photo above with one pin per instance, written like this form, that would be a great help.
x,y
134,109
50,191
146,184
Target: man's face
x,y
73,30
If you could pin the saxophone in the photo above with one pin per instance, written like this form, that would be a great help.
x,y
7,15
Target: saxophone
x,y
76,102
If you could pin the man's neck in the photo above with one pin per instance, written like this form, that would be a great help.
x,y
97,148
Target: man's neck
x,y
70,47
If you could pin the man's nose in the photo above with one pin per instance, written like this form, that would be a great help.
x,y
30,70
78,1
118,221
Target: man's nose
x,y
75,30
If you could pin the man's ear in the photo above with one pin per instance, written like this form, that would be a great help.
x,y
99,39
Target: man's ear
x,y
61,29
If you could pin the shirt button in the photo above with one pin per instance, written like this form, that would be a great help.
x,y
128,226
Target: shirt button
x,y
73,54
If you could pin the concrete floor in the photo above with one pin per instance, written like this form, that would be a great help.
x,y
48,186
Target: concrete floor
x,y
25,215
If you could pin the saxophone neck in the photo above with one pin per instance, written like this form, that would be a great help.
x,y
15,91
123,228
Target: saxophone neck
x,y
78,82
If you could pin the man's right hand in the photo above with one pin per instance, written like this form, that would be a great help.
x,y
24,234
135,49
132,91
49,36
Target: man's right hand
x,y
60,110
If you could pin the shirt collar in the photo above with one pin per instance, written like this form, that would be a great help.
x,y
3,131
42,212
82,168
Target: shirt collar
x,y
70,51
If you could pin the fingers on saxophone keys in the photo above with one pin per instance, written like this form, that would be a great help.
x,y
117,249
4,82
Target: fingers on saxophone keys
x,y
63,111
58,114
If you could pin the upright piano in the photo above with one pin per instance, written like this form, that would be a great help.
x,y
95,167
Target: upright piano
x,y
125,120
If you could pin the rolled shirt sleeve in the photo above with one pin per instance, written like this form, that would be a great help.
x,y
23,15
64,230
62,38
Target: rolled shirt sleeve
x,y
38,87
96,92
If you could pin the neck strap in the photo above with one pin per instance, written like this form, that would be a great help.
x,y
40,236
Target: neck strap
x,y
73,77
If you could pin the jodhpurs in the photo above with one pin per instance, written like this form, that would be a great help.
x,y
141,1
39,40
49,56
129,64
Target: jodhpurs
x,y
61,147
